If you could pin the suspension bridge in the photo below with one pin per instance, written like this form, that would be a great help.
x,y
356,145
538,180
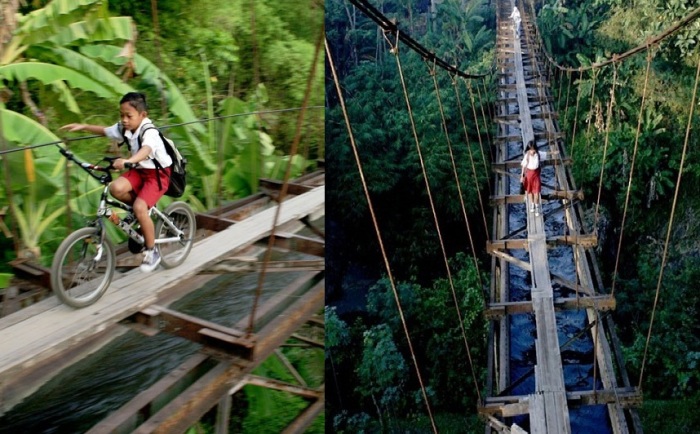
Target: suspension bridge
x,y
546,293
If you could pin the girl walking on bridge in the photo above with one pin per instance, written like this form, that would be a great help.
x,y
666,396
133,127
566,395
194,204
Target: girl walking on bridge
x,y
530,176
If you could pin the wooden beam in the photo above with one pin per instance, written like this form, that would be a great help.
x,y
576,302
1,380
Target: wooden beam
x,y
511,259
600,302
572,285
520,198
584,240
516,163
626,396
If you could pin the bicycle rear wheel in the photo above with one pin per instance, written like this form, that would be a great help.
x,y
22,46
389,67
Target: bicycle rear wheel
x,y
82,268
174,253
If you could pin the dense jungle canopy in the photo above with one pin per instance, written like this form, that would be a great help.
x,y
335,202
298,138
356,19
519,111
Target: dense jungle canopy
x,y
372,384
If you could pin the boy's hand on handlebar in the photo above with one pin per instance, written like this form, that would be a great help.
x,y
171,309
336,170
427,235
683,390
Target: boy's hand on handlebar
x,y
120,164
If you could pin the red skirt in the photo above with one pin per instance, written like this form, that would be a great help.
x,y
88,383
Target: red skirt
x,y
532,181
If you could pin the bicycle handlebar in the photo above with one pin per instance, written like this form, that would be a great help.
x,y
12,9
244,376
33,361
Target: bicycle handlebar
x,y
106,177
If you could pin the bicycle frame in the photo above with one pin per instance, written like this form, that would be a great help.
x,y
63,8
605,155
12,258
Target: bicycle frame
x,y
106,202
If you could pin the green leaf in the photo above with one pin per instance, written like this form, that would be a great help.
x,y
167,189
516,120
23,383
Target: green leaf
x,y
18,128
177,104
101,30
91,68
47,74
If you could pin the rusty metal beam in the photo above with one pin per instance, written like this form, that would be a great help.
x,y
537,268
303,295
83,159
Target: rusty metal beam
x,y
191,405
300,243
146,403
294,188
213,336
302,422
269,383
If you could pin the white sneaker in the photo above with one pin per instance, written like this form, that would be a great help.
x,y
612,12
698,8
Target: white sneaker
x,y
532,208
151,259
537,211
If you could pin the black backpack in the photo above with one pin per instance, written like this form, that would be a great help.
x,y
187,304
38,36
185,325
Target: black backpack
x,y
178,180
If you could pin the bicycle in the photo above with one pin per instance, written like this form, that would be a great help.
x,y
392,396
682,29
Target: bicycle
x,y
85,262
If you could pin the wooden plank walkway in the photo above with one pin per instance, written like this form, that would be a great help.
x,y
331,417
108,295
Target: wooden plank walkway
x,y
33,340
523,97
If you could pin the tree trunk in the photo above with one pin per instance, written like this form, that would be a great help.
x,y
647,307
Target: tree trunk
x,y
379,412
8,21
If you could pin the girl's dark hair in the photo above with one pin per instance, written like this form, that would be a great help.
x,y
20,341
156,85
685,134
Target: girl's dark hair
x,y
136,100
531,145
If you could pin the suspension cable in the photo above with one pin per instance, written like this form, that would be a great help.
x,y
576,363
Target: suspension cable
x,y
590,110
457,181
434,212
573,134
285,182
634,156
485,120
568,91
650,42
670,224
471,155
478,134
390,26
611,103
379,235
164,127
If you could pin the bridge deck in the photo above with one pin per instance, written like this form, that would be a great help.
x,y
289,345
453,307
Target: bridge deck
x,y
524,112
28,341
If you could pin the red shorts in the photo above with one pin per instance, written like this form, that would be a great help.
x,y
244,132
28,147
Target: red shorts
x,y
145,183
532,181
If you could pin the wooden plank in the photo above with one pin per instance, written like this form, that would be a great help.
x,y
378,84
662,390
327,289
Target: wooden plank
x,y
516,163
601,302
512,260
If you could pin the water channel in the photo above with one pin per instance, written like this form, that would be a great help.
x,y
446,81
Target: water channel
x,y
86,392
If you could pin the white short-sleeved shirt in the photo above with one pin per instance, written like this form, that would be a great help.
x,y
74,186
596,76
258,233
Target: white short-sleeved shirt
x,y
515,15
151,138
532,162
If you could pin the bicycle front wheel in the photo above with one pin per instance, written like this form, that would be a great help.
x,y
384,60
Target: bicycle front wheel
x,y
82,268
174,252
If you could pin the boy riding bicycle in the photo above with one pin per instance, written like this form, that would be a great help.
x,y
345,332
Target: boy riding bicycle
x,y
139,187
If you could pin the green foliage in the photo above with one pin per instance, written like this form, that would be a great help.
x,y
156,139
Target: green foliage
x,y
270,411
565,27
63,52
670,417
386,376
674,350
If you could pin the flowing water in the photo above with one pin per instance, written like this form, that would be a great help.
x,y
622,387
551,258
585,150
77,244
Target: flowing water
x,y
85,393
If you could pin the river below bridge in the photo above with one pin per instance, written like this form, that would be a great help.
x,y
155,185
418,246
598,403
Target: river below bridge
x,y
86,392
